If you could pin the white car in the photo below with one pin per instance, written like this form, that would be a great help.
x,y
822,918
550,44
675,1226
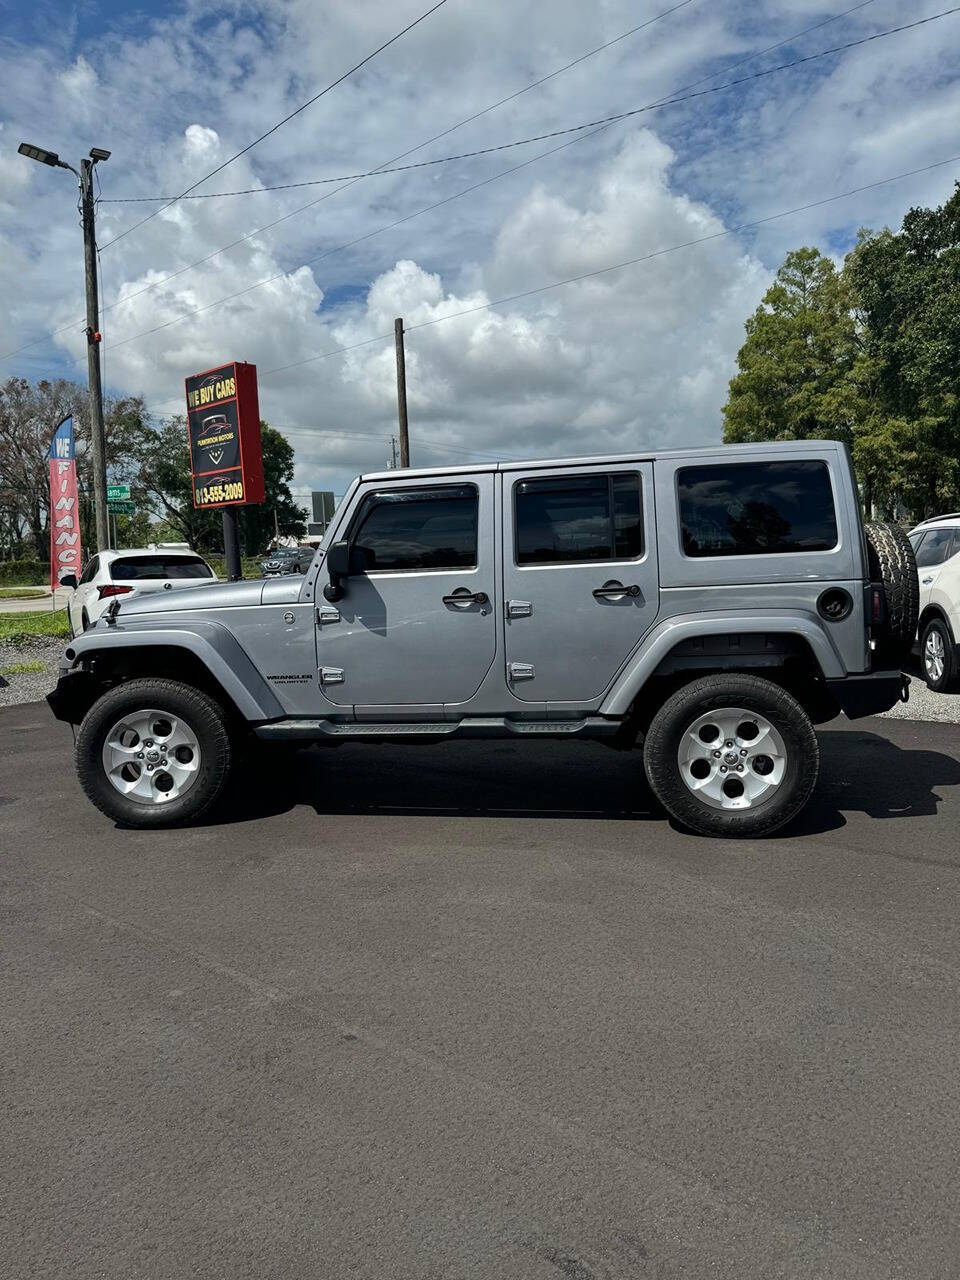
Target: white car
x,y
135,571
936,544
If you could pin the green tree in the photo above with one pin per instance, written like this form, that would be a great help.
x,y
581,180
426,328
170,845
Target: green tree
x,y
29,414
164,484
798,368
870,356
907,291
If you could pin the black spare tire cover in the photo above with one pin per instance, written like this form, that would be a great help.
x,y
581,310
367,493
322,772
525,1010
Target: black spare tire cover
x,y
892,563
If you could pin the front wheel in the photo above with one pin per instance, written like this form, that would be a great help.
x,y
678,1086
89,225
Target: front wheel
x,y
938,657
732,755
154,753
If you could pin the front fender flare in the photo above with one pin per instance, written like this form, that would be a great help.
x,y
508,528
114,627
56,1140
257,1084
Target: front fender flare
x,y
211,643
672,631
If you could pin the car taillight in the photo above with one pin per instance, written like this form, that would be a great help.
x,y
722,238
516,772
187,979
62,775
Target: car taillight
x,y
877,604
112,590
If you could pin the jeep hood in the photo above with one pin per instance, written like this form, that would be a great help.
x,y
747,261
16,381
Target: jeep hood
x,y
219,595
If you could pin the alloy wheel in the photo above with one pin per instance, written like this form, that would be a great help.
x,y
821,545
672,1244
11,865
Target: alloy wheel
x,y
151,756
732,758
934,655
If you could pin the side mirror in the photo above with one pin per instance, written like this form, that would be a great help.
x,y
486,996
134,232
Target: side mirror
x,y
343,560
69,580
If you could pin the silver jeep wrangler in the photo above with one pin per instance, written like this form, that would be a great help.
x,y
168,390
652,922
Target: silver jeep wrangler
x,y
709,606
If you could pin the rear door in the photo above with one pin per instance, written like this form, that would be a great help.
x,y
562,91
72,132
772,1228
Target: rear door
x,y
935,549
419,626
580,577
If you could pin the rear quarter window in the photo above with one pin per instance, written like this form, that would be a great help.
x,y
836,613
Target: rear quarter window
x,y
144,568
756,508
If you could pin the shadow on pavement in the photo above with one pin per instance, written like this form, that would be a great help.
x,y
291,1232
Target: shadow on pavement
x,y
860,772
866,773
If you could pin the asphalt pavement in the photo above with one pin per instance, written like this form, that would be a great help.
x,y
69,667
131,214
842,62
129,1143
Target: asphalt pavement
x,y
479,1010
34,604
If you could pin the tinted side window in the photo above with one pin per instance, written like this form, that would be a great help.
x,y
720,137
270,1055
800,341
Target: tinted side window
x,y
143,568
90,571
419,529
574,518
756,508
937,547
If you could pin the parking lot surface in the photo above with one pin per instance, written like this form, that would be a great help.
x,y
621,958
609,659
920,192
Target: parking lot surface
x,y
478,1010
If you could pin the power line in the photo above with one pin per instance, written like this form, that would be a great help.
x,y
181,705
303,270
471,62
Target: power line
x,y
426,442
617,266
597,127
535,84
195,311
280,123
557,133
410,151
429,208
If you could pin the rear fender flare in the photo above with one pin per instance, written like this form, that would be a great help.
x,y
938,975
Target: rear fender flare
x,y
216,647
672,631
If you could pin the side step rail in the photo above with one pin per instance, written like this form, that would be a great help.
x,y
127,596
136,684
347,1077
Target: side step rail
x,y
473,727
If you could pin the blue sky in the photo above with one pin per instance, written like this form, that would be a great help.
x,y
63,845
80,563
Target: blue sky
x,y
639,357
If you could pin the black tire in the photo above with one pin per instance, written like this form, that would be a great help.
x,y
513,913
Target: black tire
x,y
208,722
947,682
680,711
892,562
84,620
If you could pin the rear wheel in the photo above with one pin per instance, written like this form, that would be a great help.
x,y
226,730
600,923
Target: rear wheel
x,y
731,755
85,620
154,753
938,656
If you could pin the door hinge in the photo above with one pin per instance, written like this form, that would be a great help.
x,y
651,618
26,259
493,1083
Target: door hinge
x,y
521,670
326,614
331,675
519,608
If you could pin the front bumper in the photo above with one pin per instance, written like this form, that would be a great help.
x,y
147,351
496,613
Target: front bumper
x,y
70,699
869,695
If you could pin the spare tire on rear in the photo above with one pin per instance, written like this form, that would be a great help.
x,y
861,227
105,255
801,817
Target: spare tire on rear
x,y
892,563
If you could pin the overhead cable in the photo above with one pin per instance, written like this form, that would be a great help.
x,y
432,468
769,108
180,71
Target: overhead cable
x,y
280,123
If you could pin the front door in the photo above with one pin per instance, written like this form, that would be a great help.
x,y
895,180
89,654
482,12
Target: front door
x,y
580,577
419,625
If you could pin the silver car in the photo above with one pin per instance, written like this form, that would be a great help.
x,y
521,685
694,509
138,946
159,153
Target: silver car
x,y
706,607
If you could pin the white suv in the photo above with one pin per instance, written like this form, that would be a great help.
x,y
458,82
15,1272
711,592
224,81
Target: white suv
x,y
135,571
936,544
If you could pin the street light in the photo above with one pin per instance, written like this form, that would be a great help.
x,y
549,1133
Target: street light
x,y
97,438
37,153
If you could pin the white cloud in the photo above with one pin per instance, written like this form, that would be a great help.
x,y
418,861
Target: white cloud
x,y
636,357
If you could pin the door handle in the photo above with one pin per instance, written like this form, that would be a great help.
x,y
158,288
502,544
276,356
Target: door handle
x,y
463,595
926,581
615,589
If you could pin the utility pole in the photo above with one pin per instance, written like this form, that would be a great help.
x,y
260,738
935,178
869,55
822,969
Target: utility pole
x,y
98,448
97,436
402,393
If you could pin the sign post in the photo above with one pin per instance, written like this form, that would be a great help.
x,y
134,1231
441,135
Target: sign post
x,y
226,458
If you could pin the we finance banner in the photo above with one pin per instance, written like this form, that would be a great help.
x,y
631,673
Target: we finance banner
x,y
66,553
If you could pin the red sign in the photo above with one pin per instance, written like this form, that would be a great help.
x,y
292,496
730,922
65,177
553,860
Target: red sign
x,y
65,549
223,416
